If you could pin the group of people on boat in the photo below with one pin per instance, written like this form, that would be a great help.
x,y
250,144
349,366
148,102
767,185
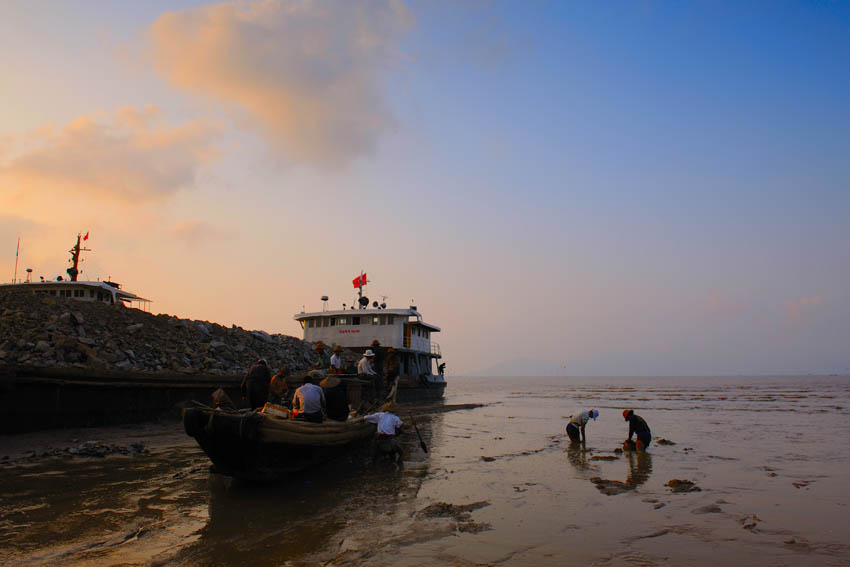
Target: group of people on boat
x,y
637,428
329,390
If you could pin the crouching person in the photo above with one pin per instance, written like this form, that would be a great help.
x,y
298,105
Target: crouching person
x,y
389,427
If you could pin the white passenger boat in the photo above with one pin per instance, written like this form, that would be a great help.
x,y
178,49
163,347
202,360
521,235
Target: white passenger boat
x,y
404,330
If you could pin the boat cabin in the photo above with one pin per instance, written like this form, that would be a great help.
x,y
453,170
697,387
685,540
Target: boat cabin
x,y
402,329
104,292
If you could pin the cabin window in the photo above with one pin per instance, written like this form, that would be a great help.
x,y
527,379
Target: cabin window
x,y
355,320
343,321
376,320
91,293
100,296
332,321
389,320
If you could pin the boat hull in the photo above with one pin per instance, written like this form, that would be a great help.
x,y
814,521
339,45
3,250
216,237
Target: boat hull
x,y
254,446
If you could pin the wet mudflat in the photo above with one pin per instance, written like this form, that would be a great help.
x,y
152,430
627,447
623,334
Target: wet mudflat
x,y
760,464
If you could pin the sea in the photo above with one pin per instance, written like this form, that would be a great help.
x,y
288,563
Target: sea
x,y
744,470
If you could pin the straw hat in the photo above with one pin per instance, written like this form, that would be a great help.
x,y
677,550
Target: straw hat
x,y
329,382
369,353
337,348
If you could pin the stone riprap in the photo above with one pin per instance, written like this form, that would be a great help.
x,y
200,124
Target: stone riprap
x,y
53,332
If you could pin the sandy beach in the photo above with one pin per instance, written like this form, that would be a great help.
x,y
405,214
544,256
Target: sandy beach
x,y
501,485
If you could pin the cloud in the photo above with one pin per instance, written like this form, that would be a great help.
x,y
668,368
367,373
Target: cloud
x,y
795,309
197,232
306,74
132,154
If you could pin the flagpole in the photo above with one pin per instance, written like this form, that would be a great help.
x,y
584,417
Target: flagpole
x,y
17,251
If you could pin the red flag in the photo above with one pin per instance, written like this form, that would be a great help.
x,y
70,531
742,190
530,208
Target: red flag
x,y
359,280
86,237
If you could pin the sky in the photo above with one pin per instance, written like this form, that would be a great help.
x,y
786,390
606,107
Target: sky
x,y
565,188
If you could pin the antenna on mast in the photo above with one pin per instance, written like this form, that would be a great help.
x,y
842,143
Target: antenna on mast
x,y
17,251
74,271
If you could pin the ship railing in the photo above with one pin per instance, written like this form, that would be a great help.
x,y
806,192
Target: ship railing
x,y
435,350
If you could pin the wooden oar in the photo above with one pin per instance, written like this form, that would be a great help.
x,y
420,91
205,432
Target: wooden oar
x,y
421,442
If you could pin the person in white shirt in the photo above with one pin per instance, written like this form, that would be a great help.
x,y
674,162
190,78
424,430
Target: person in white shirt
x,y
364,367
336,360
389,426
575,428
309,400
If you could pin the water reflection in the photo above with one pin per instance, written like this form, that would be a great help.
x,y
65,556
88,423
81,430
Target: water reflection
x,y
578,457
640,467
297,518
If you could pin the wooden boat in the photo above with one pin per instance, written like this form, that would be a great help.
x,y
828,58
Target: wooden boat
x,y
255,446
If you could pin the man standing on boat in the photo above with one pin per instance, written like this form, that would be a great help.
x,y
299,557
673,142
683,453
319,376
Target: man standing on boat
x,y
309,399
366,370
378,367
364,367
392,367
255,385
324,360
336,360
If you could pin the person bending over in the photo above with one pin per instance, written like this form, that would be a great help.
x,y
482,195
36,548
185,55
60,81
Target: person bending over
x,y
575,428
638,428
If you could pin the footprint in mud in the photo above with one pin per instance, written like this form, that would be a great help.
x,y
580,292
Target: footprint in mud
x,y
663,441
802,484
710,509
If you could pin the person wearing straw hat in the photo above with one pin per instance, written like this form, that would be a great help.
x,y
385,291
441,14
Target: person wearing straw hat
x,y
336,398
638,428
575,428
364,366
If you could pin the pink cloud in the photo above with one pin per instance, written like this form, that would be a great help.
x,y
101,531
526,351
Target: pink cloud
x,y
132,154
305,74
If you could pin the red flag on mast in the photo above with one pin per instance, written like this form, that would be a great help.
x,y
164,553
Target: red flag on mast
x,y
359,280
86,237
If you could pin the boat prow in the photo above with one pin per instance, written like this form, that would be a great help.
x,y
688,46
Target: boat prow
x,y
255,446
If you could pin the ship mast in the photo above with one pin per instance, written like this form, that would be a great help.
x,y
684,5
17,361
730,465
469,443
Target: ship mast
x,y
74,271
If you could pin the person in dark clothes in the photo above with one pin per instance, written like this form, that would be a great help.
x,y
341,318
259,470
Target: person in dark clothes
x,y
255,385
336,398
378,367
391,366
638,428
279,392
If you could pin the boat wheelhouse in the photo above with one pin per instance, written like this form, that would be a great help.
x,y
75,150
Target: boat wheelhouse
x,y
404,330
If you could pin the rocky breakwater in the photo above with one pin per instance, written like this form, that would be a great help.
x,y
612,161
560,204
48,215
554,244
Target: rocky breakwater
x,y
63,333
61,343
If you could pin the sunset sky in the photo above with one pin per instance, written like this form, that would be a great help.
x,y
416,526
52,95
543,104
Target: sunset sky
x,y
582,188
